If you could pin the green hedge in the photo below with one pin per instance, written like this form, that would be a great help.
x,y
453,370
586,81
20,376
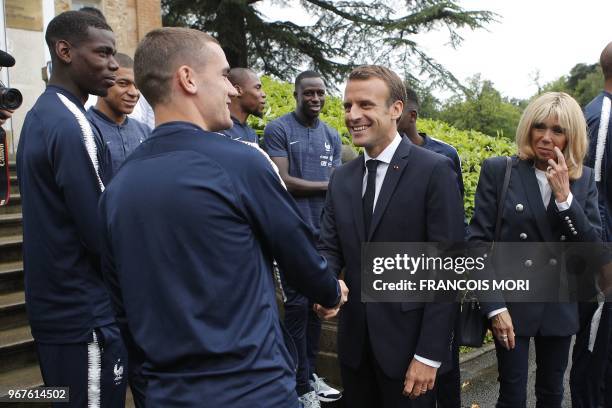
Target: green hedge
x,y
473,146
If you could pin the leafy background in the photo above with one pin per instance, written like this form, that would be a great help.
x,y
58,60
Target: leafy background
x,y
473,146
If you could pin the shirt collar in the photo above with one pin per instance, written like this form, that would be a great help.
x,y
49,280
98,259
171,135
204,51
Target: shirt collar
x,y
236,121
386,155
103,116
66,93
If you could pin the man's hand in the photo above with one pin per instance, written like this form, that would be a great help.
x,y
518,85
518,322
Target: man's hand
x,y
327,314
503,330
420,378
5,114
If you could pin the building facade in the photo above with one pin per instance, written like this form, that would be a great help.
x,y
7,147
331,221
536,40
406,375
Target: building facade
x,y
22,29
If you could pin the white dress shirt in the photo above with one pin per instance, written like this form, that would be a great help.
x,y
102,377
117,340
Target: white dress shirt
x,y
384,159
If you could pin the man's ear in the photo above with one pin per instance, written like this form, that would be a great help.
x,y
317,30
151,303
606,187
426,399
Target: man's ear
x,y
238,89
63,51
186,79
396,110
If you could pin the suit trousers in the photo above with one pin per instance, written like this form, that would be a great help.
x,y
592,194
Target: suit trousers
x,y
448,385
304,328
369,387
552,355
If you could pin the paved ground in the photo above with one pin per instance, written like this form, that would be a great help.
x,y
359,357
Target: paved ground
x,y
480,387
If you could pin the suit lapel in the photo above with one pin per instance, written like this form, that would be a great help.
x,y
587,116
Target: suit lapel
x,y
530,183
394,173
355,188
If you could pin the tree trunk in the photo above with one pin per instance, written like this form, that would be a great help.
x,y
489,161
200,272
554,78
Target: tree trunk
x,y
231,28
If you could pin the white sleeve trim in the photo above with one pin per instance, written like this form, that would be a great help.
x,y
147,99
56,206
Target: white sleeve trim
x,y
496,312
426,361
602,135
566,204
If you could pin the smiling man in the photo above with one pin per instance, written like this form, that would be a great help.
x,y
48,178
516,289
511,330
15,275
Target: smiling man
x,y
306,151
60,168
389,353
110,115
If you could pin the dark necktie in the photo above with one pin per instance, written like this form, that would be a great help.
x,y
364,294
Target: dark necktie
x,y
368,197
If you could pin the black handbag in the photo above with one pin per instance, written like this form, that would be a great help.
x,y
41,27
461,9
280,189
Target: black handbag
x,y
472,324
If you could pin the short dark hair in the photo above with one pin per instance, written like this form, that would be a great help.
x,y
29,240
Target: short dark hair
x,y
93,11
238,75
161,52
306,75
606,62
72,26
124,60
397,90
412,99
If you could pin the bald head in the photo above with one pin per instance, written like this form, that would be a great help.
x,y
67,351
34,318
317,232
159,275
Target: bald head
x,y
606,62
251,98
240,76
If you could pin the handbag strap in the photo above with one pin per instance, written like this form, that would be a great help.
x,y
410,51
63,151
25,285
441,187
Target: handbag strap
x,y
502,198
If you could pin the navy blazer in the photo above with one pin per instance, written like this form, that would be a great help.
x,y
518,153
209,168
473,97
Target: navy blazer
x,y
525,219
419,201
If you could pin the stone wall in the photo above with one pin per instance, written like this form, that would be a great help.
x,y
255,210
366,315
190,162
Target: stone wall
x,y
130,19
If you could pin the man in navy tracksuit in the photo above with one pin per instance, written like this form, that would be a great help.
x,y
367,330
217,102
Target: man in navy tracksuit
x,y
591,374
191,223
60,165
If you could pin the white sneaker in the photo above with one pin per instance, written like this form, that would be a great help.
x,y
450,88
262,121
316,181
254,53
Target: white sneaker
x,y
324,392
309,400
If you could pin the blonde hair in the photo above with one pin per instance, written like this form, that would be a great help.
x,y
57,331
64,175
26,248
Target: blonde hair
x,y
566,110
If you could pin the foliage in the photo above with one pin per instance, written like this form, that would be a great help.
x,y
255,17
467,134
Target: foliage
x,y
343,35
473,146
584,82
482,108
429,105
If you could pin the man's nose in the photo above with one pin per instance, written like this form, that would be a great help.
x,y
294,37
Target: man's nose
x,y
113,65
353,113
133,91
231,90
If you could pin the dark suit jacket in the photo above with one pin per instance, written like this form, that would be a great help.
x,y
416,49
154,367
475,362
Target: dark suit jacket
x,y
419,201
525,219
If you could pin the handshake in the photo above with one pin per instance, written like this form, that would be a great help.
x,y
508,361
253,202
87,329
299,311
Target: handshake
x,y
327,314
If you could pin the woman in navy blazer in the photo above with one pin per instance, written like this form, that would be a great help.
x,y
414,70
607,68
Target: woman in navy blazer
x,y
551,197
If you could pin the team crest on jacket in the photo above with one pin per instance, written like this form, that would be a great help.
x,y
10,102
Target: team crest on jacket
x,y
118,371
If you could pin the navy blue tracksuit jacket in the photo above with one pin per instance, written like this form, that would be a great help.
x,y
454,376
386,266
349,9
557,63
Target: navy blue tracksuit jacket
x,y
191,223
65,295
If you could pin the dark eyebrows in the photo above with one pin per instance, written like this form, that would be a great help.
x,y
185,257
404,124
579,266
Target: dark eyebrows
x,y
106,49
